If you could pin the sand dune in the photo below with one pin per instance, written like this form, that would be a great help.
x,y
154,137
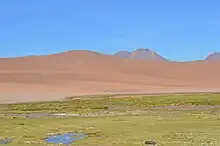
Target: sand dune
x,y
82,72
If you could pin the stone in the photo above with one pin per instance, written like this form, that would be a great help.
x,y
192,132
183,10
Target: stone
x,y
150,143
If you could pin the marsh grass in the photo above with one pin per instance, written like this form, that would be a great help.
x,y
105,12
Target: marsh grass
x,y
180,128
167,128
124,103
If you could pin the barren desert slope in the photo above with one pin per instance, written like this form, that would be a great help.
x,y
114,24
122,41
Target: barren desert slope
x,y
55,76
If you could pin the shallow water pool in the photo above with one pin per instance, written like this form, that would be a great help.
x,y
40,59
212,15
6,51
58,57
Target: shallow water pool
x,y
5,141
66,138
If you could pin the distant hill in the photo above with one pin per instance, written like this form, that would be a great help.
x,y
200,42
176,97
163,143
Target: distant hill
x,y
123,54
214,56
142,54
81,72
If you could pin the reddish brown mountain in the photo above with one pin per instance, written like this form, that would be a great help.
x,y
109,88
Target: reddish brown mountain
x,y
83,72
141,54
123,54
213,57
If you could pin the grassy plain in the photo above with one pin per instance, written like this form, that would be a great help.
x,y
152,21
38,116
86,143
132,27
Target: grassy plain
x,y
142,121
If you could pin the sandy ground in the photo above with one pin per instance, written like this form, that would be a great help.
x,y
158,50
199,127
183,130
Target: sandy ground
x,y
75,73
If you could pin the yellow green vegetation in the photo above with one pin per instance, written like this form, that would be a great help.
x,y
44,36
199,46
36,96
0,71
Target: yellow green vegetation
x,y
166,127
117,102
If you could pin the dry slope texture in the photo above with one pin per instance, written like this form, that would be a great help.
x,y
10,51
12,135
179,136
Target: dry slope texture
x,y
82,72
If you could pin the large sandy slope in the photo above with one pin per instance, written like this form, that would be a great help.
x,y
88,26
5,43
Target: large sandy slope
x,y
72,73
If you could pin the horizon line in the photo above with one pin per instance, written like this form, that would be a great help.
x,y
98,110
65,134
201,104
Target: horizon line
x,y
108,54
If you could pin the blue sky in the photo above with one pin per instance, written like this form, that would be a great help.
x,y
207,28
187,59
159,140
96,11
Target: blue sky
x,y
179,30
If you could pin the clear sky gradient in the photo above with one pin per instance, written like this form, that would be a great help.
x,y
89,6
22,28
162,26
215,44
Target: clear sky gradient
x,y
179,30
